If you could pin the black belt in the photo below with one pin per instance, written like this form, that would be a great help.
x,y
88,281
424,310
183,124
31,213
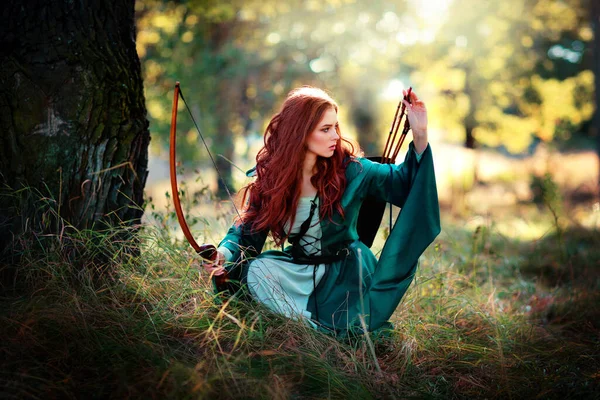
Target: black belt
x,y
341,254
300,257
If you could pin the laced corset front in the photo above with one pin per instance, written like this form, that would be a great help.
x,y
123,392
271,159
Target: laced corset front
x,y
310,241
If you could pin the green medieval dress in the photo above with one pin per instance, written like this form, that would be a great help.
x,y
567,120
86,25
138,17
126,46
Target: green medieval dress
x,y
335,303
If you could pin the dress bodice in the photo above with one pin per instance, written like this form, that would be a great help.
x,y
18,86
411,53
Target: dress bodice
x,y
311,240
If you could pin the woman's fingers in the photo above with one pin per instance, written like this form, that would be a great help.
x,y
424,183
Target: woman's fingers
x,y
414,105
214,267
413,97
416,113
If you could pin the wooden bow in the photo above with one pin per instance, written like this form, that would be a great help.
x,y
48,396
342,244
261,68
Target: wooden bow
x,y
207,251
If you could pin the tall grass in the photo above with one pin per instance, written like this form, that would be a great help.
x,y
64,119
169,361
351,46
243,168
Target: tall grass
x,y
487,317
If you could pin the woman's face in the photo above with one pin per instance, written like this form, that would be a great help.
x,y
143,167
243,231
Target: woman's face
x,y
324,138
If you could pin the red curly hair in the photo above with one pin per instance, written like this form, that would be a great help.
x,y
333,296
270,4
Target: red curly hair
x,y
274,195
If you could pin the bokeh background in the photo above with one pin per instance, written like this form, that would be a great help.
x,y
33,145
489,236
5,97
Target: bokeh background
x,y
509,88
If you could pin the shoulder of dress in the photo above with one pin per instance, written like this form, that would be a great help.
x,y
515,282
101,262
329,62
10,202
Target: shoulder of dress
x,y
357,166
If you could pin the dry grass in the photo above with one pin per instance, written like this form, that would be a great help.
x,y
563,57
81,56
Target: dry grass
x,y
488,316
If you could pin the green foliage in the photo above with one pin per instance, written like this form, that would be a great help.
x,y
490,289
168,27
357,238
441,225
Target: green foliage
x,y
231,76
236,69
512,71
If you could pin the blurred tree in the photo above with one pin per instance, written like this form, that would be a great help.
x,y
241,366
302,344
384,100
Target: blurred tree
x,y
228,67
510,71
72,115
236,62
595,14
501,68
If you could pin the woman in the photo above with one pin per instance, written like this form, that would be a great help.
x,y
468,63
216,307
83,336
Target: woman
x,y
309,178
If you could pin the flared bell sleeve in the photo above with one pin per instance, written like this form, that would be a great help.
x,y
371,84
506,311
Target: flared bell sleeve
x,y
416,227
242,242
361,284
386,182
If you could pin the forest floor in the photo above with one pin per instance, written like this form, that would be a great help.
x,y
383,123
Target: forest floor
x,y
505,304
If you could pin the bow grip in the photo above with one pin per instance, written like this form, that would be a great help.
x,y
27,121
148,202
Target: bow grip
x,y
208,251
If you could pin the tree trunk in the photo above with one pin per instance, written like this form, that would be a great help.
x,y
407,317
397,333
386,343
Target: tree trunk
x,y
469,120
72,115
223,138
223,145
364,119
596,118
469,138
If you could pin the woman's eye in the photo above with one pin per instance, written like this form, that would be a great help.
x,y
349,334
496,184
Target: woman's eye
x,y
326,130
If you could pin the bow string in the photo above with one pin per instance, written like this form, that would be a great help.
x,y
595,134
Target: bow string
x,y
207,251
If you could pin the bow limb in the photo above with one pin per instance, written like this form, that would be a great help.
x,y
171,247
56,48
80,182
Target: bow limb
x,y
206,251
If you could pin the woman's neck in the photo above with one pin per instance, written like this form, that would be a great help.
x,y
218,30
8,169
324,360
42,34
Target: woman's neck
x,y
308,170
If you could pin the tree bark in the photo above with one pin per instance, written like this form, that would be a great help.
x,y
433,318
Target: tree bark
x,y
72,115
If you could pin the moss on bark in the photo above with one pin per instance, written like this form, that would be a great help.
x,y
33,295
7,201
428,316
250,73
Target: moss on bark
x,y
72,113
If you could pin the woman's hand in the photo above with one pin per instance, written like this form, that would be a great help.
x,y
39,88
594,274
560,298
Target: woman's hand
x,y
417,117
215,267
